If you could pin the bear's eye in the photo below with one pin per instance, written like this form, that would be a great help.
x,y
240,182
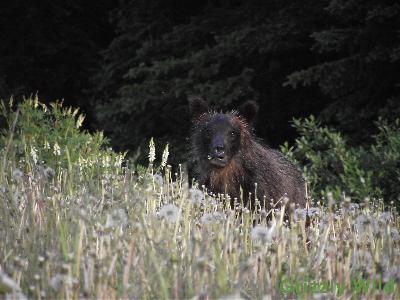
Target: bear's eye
x,y
233,133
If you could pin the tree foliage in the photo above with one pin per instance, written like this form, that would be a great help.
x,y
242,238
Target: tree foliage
x,y
51,48
227,53
343,54
360,46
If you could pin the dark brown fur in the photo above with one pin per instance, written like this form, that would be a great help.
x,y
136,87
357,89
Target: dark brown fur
x,y
249,162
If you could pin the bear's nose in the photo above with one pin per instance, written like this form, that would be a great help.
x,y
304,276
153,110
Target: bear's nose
x,y
219,152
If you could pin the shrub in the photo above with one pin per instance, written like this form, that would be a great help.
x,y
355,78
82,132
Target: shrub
x,y
50,136
330,164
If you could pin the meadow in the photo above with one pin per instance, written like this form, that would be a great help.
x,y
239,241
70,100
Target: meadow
x,y
78,220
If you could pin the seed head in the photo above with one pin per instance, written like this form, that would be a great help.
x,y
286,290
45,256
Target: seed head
x,y
170,213
196,196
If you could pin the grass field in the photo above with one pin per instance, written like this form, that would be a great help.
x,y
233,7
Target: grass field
x,y
77,221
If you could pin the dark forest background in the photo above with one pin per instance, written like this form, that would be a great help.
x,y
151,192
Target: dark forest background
x,y
131,65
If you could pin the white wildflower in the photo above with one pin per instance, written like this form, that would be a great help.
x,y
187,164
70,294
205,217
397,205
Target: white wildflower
x,y
152,152
196,196
46,145
75,112
17,174
106,161
118,160
170,213
164,157
34,154
36,102
56,149
80,120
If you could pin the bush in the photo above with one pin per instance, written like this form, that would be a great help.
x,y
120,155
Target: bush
x,y
38,135
330,164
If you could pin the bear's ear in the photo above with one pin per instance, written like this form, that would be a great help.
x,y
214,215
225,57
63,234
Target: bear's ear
x,y
197,106
248,110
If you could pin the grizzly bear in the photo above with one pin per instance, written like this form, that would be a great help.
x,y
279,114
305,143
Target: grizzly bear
x,y
229,160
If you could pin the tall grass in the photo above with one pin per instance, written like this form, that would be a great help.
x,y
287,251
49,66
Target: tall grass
x,y
77,223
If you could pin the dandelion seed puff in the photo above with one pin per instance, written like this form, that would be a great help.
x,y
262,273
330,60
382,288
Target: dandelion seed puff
x,y
213,217
285,200
259,233
207,219
110,222
354,206
17,174
218,216
331,201
49,173
170,213
196,196
272,231
384,218
395,235
175,186
313,211
392,274
300,214
263,234
56,282
121,216
158,179
362,221
235,296
7,284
